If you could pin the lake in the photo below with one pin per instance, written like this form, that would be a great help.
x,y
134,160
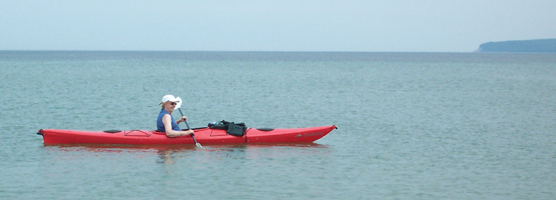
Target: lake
x,y
410,125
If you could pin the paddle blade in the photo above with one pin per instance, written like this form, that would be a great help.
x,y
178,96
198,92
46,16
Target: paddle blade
x,y
195,140
178,105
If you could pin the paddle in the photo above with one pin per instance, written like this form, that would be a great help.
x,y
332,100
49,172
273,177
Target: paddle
x,y
178,105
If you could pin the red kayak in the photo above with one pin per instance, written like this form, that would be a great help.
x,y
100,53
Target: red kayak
x,y
202,135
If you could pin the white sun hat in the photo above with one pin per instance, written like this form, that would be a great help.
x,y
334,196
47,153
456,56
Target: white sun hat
x,y
170,98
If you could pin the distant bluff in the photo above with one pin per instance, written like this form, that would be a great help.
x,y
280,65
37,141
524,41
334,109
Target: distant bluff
x,y
524,46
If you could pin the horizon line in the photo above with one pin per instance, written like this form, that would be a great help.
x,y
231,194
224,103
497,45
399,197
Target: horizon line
x,y
245,51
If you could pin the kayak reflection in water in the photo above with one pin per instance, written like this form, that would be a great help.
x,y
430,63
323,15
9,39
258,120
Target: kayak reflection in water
x,y
165,122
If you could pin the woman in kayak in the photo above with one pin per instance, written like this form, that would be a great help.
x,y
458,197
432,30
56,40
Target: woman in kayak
x,y
165,122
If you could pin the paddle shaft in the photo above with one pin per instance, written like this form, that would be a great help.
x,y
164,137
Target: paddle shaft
x,y
192,135
184,120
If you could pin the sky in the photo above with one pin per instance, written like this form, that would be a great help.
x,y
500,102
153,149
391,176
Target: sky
x,y
272,25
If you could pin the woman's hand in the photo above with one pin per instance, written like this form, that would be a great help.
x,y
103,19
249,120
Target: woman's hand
x,y
182,119
188,132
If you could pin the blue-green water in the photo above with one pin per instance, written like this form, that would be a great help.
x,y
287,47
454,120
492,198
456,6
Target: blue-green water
x,y
411,125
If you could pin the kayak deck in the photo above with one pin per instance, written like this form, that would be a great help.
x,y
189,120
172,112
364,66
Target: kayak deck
x,y
202,135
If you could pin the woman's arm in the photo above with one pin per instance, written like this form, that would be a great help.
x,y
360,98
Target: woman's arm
x,y
167,121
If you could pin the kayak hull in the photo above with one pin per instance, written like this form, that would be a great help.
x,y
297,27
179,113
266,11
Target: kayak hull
x,y
202,135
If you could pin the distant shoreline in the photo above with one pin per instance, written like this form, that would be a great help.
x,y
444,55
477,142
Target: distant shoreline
x,y
520,46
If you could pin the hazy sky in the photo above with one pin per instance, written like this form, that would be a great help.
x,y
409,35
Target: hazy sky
x,y
277,25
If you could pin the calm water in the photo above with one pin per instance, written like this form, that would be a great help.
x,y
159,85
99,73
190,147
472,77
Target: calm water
x,y
411,125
